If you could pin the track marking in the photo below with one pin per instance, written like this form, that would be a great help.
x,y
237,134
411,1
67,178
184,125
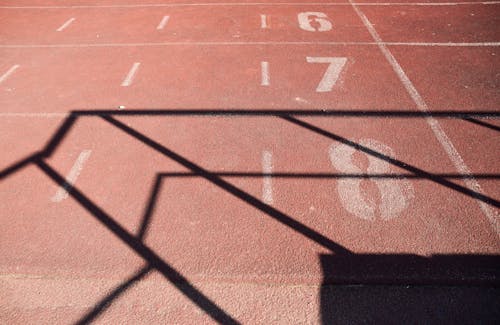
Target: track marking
x,y
320,20
66,24
264,67
267,169
8,73
234,4
130,76
395,194
63,191
332,73
263,21
46,115
163,22
470,182
237,43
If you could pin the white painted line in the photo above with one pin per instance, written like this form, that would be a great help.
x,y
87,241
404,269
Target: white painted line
x,y
255,4
263,21
9,72
264,66
470,182
130,76
237,43
267,169
441,44
45,115
163,22
66,24
63,191
427,3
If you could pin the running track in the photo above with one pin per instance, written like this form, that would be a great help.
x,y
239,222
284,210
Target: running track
x,y
244,162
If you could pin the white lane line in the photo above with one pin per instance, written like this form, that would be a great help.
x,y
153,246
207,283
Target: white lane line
x,y
66,24
47,115
427,3
9,72
263,21
235,43
63,191
130,76
264,67
163,22
255,4
442,44
267,169
470,182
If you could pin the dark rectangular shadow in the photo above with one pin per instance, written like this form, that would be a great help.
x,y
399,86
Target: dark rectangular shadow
x,y
409,289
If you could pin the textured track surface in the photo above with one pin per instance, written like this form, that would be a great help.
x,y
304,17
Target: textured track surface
x,y
244,162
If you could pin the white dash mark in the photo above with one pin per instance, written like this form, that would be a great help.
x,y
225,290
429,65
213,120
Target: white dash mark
x,y
265,73
163,22
263,21
66,24
130,76
8,73
63,191
267,169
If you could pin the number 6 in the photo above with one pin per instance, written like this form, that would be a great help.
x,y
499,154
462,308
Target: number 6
x,y
306,18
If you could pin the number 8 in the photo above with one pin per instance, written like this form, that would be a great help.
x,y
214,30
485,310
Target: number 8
x,y
395,193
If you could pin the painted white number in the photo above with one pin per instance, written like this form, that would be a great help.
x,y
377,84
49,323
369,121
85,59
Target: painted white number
x,y
395,194
319,19
332,72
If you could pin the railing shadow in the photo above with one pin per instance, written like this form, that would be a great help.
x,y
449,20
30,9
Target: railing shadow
x,y
341,268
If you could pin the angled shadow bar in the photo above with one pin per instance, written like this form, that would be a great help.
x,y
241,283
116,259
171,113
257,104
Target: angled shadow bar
x,y
417,171
154,260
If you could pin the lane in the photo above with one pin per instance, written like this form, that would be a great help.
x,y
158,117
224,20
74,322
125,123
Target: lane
x,y
465,76
68,79
111,2
139,25
466,82
465,23
388,215
162,3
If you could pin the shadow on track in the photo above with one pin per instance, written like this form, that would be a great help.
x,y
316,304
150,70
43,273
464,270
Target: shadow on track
x,y
380,291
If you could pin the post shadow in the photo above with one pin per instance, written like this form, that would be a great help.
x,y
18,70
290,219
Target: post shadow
x,y
410,289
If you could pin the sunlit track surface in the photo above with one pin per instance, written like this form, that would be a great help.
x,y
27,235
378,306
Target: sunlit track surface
x,y
279,162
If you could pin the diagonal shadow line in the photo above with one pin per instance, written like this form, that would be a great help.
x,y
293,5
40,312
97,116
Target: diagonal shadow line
x,y
326,175
49,148
482,123
276,112
417,171
154,260
235,191
56,139
19,165
146,219
105,302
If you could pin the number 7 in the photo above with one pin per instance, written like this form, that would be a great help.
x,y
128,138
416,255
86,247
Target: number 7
x,y
332,72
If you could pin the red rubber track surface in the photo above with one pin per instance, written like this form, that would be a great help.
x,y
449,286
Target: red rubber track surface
x,y
212,171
